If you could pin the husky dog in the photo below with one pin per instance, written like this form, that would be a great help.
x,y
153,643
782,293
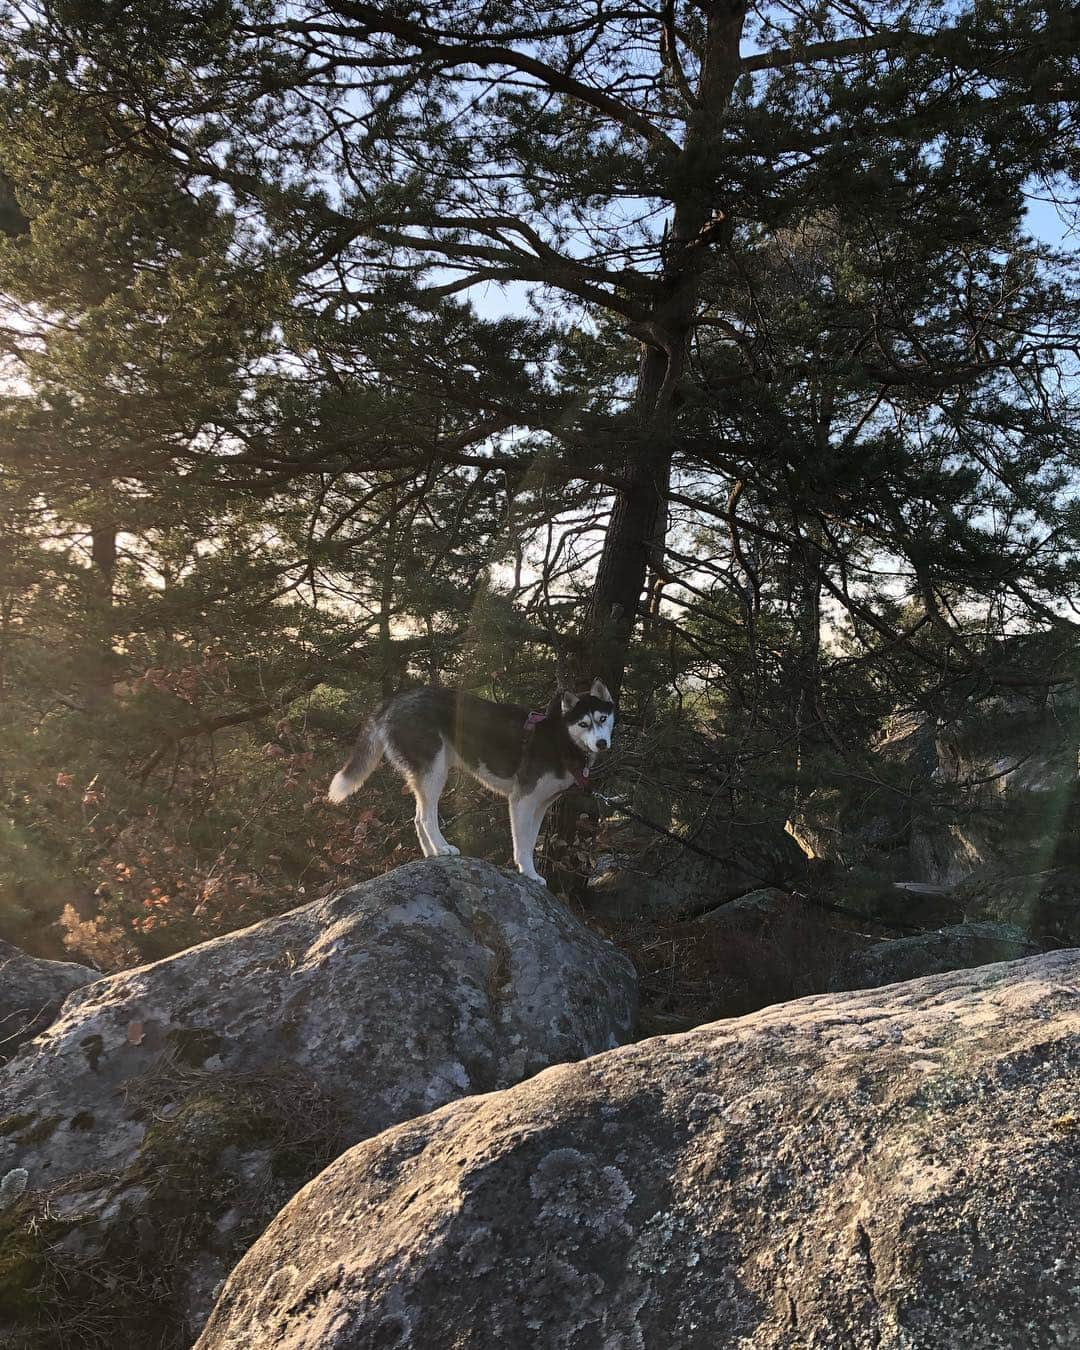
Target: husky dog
x,y
528,758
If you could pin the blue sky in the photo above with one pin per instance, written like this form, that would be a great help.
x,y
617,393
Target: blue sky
x,y
1048,223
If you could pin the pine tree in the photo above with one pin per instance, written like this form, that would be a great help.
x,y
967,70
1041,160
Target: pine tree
x,y
779,361
612,159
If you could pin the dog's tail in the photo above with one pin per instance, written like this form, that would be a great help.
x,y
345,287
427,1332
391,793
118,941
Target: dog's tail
x,y
361,764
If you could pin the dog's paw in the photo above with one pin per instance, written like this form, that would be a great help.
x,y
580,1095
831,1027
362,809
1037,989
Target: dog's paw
x,y
534,876
449,851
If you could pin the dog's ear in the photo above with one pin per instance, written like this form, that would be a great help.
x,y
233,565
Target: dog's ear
x,y
568,701
600,690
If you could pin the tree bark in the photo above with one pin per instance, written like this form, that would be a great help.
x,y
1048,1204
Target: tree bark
x,y
635,531
634,539
638,523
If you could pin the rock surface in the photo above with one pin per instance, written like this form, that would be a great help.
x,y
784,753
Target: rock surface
x,y
755,910
650,874
893,1169
171,1110
1008,765
958,947
1042,904
768,946
772,947
992,784
872,828
31,993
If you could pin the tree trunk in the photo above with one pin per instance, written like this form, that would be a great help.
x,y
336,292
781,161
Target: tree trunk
x,y
635,531
634,540
638,523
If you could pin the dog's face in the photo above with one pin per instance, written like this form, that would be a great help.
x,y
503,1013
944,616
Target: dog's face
x,y
590,719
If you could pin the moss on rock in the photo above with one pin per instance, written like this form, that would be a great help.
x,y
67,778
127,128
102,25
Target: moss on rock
x,y
28,1233
19,1121
125,1285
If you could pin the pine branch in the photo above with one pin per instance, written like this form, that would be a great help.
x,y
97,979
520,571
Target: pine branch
x,y
430,48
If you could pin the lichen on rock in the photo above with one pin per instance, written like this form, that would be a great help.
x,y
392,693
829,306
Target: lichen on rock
x,y
172,1110
880,1170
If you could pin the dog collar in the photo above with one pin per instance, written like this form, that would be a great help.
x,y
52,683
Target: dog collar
x,y
581,778
534,719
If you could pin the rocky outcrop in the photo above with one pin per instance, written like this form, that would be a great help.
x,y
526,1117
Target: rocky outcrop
x,y
1042,904
765,947
771,946
1006,769
992,785
755,911
871,822
887,1169
171,1110
959,947
31,993
650,874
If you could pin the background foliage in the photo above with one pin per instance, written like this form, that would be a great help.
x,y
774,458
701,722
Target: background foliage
x,y
349,346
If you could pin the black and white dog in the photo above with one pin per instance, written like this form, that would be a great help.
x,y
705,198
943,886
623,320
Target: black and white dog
x,y
528,758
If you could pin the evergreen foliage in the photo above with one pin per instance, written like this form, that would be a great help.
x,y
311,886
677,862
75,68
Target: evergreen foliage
x,y
349,345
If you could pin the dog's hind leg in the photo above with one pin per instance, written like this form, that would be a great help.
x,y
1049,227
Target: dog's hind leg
x,y
427,785
526,816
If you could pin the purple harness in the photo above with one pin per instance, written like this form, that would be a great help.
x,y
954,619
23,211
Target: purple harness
x,y
581,776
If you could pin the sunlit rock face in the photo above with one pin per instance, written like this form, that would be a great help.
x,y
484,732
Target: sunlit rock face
x,y
171,1110
891,1168
32,992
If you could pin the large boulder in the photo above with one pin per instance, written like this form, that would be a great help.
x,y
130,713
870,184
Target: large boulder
x,y
650,874
771,947
990,783
957,947
32,991
893,1169
1043,904
1006,770
869,823
766,947
148,1135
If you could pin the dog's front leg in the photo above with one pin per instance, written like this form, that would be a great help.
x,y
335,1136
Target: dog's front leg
x,y
526,815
